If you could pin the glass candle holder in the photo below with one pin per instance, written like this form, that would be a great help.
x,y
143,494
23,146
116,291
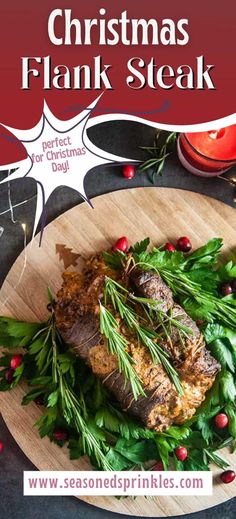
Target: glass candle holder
x,y
208,154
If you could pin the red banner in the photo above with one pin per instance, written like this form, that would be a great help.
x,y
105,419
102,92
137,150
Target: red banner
x,y
197,36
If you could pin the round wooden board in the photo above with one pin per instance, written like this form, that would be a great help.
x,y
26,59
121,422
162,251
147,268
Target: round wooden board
x,y
161,213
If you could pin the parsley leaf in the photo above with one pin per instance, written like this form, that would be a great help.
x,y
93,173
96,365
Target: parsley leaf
x,y
230,410
204,423
228,386
140,246
207,254
213,332
114,260
136,451
196,460
227,271
75,447
117,460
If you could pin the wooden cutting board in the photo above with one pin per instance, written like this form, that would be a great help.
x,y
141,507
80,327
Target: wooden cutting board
x,y
161,213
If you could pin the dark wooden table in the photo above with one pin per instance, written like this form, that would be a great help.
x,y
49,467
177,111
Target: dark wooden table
x,y
123,138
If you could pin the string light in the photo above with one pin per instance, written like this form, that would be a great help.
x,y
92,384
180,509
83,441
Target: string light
x,y
9,199
24,228
17,205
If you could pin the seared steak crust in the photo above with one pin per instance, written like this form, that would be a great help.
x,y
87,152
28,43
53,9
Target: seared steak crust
x,y
151,286
77,317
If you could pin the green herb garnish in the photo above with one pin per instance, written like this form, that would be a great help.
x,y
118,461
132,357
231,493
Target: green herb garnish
x,y
76,400
193,281
119,297
162,148
117,345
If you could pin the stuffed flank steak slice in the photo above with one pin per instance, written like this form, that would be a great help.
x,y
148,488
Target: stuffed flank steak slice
x,y
77,317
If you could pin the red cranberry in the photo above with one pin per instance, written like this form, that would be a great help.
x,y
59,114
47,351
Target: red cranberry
x,y
184,244
122,244
158,466
9,375
228,476
226,289
200,322
221,420
16,361
181,453
169,246
1,446
60,435
233,284
128,171
39,400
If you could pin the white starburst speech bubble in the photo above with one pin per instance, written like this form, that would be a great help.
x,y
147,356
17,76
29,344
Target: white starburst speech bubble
x,y
59,153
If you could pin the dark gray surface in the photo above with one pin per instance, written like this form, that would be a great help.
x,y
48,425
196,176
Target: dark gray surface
x,y
122,138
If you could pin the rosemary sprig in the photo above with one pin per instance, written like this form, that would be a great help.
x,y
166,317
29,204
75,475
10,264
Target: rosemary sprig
x,y
119,296
218,460
70,405
72,411
118,345
220,309
158,153
182,285
162,316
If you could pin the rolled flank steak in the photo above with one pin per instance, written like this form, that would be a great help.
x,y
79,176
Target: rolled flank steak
x,y
77,317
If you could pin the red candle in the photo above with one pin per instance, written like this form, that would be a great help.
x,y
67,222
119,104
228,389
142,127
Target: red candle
x,y
209,153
